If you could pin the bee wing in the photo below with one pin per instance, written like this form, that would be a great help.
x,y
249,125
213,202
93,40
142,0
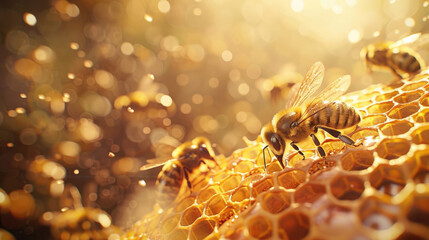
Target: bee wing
x,y
165,147
415,40
312,81
333,91
154,162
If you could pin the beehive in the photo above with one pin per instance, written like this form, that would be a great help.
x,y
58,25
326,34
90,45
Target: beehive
x,y
376,190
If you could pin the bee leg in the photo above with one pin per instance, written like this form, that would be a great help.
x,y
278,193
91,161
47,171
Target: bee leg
x,y
319,148
297,148
396,73
185,171
337,134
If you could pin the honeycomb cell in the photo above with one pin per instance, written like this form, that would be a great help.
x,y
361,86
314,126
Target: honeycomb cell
x,y
259,227
185,203
320,165
380,107
386,96
368,95
226,214
240,194
424,100
418,211
335,216
357,159
291,179
230,183
363,133
413,86
422,116
275,201
347,187
190,215
215,205
372,120
169,224
244,167
202,228
403,111
408,96
363,104
392,148
378,215
293,226
274,167
262,186
309,193
388,179
396,127
421,135
207,193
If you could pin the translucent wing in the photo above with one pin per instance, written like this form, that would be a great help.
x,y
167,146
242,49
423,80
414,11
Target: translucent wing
x,y
416,41
333,91
308,86
154,162
165,146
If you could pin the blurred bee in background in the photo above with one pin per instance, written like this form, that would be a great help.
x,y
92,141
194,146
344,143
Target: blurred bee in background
x,y
278,86
187,158
397,56
303,115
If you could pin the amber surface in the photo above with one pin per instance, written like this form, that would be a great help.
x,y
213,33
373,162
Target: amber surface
x,y
377,190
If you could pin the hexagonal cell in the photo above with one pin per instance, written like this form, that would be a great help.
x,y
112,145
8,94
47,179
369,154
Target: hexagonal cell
x,y
372,120
396,127
393,86
421,171
207,193
275,201
408,96
366,95
262,186
179,233
363,133
240,194
357,159
403,111
378,215
274,166
362,104
322,164
215,205
190,215
230,182
291,179
347,187
336,217
380,107
225,215
259,227
418,211
424,100
293,226
393,148
413,85
422,116
244,166
309,193
388,179
202,228
386,96
169,224
185,203
421,135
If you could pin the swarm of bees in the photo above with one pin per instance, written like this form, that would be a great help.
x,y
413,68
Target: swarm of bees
x,y
397,56
304,114
186,159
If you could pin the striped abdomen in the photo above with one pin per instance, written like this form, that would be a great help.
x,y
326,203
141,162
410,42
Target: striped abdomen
x,y
406,62
169,182
336,115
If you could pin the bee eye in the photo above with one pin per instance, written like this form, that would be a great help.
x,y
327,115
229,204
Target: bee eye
x,y
293,124
276,142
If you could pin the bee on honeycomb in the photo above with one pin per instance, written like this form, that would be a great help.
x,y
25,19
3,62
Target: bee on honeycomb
x,y
378,190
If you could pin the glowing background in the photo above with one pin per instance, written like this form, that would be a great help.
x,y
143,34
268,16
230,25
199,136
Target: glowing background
x,y
91,89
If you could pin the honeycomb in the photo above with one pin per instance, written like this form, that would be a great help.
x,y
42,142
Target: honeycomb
x,y
377,190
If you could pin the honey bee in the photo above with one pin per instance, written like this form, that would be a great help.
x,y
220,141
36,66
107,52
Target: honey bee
x,y
396,56
303,115
186,158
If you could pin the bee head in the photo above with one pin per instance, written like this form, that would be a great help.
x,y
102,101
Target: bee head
x,y
285,122
274,141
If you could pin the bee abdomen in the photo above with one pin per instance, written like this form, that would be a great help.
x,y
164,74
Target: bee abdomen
x,y
169,182
406,62
337,115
